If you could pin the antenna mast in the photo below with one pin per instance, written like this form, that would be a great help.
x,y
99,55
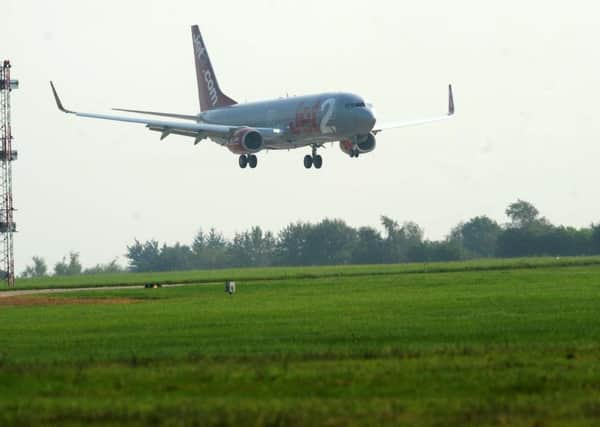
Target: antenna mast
x,y
7,155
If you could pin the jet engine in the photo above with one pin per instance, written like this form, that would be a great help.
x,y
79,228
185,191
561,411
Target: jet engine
x,y
360,145
245,141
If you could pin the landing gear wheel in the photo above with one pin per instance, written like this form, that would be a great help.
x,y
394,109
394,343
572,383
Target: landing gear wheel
x,y
243,161
317,161
308,161
252,161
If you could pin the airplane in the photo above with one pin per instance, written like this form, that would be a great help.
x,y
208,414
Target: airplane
x,y
281,124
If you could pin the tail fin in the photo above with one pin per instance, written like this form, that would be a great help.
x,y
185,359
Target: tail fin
x,y
209,91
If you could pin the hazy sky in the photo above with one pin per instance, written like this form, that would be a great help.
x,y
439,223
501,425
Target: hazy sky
x,y
527,88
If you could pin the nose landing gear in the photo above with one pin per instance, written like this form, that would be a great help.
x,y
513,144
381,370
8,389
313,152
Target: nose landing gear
x,y
313,160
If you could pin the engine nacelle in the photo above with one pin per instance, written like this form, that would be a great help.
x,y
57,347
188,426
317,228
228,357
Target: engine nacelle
x,y
246,141
360,145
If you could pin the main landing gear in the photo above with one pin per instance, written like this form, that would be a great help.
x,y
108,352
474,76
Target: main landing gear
x,y
248,160
313,160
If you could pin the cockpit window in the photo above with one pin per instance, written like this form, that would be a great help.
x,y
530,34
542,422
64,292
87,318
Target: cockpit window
x,y
355,105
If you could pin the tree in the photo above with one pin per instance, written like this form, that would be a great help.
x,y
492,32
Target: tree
x,y
522,214
402,241
39,268
143,256
71,268
390,225
333,242
392,251
210,250
291,247
177,257
445,250
480,235
252,248
369,247
565,241
411,238
520,242
110,268
596,238
330,242
411,233
262,246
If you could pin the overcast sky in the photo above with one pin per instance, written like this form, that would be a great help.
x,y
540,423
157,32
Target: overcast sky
x,y
527,89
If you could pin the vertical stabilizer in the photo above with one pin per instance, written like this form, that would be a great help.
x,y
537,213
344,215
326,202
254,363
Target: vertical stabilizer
x,y
209,92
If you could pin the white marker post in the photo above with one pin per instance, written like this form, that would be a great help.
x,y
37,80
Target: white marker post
x,y
230,287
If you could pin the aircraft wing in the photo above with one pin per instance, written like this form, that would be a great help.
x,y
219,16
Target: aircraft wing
x,y
378,128
155,113
198,131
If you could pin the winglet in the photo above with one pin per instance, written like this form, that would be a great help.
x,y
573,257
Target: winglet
x,y
58,102
450,101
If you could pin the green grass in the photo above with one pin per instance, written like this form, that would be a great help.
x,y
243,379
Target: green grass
x,y
279,273
474,345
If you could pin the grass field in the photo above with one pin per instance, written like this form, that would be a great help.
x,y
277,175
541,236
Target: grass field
x,y
489,343
280,273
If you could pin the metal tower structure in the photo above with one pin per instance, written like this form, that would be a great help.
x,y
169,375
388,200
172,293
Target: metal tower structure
x,y
7,156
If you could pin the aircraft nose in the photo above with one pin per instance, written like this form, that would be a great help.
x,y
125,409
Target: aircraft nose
x,y
365,120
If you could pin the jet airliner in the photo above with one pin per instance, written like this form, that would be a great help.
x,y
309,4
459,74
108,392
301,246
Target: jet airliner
x,y
282,124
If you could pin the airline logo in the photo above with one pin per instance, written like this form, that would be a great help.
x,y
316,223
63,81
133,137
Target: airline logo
x,y
328,108
207,74
307,121
200,49
210,85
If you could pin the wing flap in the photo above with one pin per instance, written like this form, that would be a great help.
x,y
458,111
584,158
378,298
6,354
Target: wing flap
x,y
165,131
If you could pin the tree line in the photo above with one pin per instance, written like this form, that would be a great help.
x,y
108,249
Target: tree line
x,y
69,267
333,242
